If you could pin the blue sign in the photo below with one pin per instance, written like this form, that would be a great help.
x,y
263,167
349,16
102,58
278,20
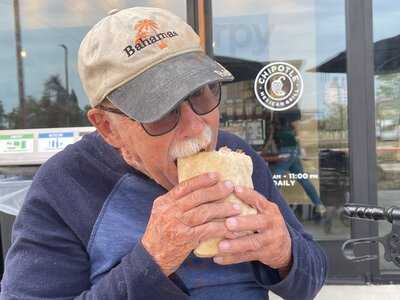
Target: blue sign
x,y
53,141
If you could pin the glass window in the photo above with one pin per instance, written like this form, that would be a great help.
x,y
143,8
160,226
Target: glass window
x,y
43,77
386,25
304,144
47,83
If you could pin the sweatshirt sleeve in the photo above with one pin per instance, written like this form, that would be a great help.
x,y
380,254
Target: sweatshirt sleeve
x,y
308,272
47,260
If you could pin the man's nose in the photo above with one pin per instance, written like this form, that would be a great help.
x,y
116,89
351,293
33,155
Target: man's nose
x,y
190,123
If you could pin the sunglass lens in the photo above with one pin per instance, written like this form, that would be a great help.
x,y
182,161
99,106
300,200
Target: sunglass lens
x,y
164,125
202,101
206,98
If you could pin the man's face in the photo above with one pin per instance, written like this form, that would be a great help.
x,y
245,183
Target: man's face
x,y
156,156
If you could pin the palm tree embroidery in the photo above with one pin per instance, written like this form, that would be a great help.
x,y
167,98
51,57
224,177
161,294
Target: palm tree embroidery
x,y
145,28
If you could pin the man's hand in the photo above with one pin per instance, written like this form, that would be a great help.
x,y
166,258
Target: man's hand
x,y
270,243
184,217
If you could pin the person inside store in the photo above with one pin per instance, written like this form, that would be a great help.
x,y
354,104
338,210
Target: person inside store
x,y
106,217
283,131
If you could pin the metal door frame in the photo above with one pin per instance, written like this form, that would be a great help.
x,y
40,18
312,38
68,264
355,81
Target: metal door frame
x,y
361,124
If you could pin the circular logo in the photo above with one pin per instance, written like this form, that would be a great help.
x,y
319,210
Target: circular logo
x,y
278,86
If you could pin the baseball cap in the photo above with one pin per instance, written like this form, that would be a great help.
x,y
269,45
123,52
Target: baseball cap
x,y
145,60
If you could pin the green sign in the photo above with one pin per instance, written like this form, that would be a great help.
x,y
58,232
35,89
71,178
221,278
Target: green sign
x,y
16,143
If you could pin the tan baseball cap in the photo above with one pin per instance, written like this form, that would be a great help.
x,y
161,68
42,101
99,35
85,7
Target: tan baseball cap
x,y
145,60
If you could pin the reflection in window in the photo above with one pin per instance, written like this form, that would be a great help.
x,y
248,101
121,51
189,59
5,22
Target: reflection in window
x,y
386,24
48,83
306,147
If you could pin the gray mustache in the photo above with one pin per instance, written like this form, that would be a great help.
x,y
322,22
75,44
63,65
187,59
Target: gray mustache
x,y
191,146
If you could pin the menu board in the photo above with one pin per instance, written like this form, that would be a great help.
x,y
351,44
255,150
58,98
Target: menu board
x,y
255,132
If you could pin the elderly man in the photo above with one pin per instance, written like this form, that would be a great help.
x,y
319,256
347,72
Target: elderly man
x,y
107,219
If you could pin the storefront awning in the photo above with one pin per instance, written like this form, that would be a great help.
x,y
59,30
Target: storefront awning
x,y
244,69
386,59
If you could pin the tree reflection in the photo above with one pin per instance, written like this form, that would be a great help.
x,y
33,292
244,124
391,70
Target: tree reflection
x,y
2,116
56,108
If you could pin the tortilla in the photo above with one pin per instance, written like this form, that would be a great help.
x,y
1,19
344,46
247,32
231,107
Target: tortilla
x,y
234,166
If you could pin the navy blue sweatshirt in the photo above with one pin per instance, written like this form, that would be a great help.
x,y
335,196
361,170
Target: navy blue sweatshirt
x,y
78,234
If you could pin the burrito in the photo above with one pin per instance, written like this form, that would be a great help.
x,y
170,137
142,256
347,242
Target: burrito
x,y
235,166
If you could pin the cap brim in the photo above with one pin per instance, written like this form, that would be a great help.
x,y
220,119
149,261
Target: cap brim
x,y
152,94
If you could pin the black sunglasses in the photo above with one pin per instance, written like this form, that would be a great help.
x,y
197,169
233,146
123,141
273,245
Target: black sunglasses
x,y
202,101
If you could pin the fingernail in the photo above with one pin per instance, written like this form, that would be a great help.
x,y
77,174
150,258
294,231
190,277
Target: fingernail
x,y
224,245
228,184
212,175
218,260
231,223
238,189
236,206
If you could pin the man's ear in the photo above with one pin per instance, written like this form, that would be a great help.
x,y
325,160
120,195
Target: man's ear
x,y
104,125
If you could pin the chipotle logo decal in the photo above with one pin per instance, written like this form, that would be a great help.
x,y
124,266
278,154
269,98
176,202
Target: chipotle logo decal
x,y
278,86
